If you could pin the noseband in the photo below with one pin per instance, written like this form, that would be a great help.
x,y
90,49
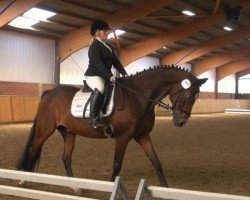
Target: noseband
x,y
178,103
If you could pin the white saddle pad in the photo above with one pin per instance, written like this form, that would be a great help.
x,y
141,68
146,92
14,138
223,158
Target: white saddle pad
x,y
79,101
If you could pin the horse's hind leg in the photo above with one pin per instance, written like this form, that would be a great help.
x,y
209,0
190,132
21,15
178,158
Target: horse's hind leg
x,y
42,133
146,144
69,144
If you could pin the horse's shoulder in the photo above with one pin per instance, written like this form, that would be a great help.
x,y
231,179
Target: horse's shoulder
x,y
70,88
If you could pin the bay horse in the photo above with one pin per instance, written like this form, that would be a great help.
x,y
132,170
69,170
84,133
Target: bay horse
x,y
133,117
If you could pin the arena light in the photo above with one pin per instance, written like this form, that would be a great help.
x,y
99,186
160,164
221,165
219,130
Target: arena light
x,y
23,22
187,12
38,14
31,17
117,32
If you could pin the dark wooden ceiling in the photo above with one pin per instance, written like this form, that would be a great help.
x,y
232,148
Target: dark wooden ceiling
x,y
74,14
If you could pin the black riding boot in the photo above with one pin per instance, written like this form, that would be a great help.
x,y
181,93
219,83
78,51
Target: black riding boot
x,y
96,103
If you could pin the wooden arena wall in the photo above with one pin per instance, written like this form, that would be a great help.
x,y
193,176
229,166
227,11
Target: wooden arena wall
x,y
212,106
19,101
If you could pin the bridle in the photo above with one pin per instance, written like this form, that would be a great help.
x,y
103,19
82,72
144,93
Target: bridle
x,y
176,105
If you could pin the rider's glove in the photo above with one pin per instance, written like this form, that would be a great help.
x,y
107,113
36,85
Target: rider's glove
x,y
112,79
125,75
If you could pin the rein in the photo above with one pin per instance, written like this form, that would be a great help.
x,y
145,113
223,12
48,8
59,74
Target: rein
x,y
178,105
159,103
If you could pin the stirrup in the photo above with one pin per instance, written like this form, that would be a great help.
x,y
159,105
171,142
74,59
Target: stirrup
x,y
109,132
95,123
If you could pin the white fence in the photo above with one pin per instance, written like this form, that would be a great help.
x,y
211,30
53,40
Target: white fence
x,y
113,187
146,192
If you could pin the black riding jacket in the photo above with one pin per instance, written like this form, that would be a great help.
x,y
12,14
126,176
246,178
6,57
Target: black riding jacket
x,y
101,60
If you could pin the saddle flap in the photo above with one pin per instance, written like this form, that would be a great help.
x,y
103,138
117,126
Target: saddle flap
x,y
80,102
108,94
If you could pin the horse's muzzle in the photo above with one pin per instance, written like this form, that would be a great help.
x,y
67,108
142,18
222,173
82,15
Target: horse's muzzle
x,y
180,121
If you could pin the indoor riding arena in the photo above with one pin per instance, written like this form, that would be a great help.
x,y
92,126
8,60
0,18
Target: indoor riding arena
x,y
186,61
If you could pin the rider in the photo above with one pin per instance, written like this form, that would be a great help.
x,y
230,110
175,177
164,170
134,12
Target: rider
x,y
102,57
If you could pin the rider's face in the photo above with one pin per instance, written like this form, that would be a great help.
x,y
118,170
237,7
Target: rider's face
x,y
103,34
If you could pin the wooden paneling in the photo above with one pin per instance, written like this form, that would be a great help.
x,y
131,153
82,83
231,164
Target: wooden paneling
x,y
5,109
24,108
18,108
219,105
31,104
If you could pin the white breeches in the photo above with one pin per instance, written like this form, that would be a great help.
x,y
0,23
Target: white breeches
x,y
95,82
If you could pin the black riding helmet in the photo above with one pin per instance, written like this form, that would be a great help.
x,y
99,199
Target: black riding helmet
x,y
99,25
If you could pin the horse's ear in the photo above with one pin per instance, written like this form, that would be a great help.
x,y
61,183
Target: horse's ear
x,y
202,81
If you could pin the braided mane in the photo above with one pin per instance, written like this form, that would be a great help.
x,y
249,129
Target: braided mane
x,y
164,67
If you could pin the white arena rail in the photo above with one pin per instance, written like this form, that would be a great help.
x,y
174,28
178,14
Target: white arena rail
x,y
147,192
237,111
104,186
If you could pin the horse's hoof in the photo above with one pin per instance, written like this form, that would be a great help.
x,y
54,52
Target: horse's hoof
x,y
22,183
77,191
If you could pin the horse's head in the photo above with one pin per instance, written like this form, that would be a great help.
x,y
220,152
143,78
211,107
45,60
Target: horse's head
x,y
183,96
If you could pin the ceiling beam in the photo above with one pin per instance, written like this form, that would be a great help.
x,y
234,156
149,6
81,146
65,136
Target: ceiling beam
x,y
80,38
34,32
151,44
148,45
85,6
66,13
220,59
232,68
16,9
5,4
65,24
244,72
217,3
192,53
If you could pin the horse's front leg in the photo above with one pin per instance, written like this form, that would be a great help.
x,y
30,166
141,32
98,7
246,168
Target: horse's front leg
x,y
146,144
69,144
121,144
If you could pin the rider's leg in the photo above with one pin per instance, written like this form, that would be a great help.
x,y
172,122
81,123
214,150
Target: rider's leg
x,y
96,83
96,103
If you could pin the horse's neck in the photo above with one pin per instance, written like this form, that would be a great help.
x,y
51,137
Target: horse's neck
x,y
156,83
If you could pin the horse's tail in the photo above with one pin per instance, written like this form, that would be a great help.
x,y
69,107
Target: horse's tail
x,y
21,164
23,160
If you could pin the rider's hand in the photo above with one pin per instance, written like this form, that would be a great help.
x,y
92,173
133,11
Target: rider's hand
x,y
112,79
125,75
